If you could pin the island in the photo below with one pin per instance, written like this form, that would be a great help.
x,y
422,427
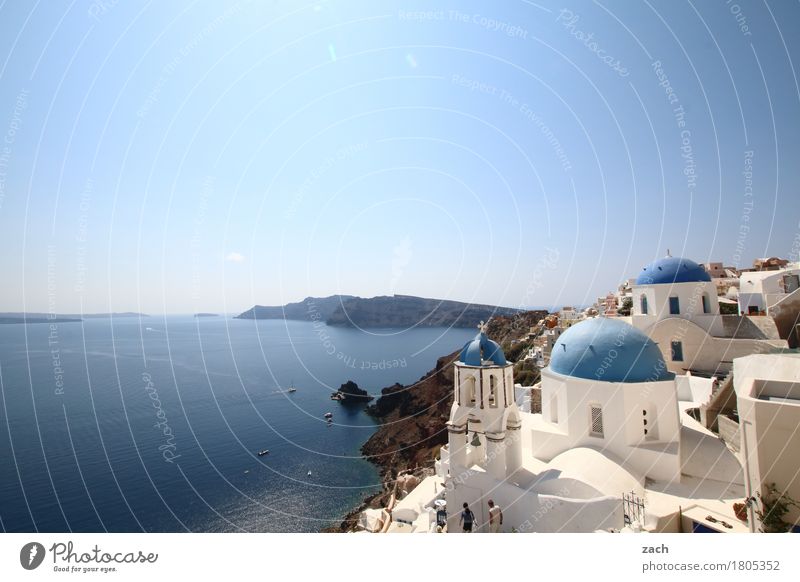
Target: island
x,y
206,314
35,317
23,319
386,311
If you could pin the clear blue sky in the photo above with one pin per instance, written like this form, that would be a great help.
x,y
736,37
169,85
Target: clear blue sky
x,y
169,157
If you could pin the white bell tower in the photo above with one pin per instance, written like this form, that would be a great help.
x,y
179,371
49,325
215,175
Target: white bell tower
x,y
484,426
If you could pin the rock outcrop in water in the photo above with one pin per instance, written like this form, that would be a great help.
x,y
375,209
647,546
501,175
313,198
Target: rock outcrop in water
x,y
350,394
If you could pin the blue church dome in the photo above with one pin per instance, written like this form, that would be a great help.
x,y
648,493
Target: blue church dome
x,y
672,270
482,348
609,350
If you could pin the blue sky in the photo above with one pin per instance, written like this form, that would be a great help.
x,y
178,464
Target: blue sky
x,y
167,157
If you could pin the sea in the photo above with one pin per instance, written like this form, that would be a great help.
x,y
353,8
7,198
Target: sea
x,y
154,424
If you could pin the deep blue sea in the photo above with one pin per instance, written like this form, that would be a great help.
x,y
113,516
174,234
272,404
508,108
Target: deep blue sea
x,y
154,424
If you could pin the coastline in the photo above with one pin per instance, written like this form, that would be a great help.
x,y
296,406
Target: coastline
x,y
411,431
413,420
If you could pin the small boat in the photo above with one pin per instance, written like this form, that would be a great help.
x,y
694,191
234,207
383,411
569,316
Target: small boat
x,y
264,452
328,415
292,388
309,474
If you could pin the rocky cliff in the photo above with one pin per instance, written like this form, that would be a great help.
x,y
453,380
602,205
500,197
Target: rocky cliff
x,y
383,311
405,311
309,309
412,418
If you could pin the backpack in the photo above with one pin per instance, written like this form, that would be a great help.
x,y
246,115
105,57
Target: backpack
x,y
469,517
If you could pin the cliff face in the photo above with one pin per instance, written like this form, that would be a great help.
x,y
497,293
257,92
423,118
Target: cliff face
x,y
384,311
405,310
412,420
413,417
309,309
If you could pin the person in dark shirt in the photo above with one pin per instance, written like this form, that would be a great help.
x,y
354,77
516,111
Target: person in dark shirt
x,y
467,519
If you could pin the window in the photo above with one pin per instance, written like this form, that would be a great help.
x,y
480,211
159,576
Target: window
x,y
492,391
471,391
791,283
677,351
706,304
643,302
554,408
648,424
674,306
596,415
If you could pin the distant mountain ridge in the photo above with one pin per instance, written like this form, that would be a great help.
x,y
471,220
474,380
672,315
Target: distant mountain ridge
x,y
381,311
31,317
309,309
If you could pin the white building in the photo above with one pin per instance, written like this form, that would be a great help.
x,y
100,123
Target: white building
x,y
613,423
760,291
768,402
483,430
725,279
608,387
619,402
569,315
676,304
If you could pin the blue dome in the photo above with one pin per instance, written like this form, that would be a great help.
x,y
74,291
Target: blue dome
x,y
672,270
482,348
609,350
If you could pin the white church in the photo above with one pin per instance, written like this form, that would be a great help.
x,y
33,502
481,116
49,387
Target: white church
x,y
614,446
675,303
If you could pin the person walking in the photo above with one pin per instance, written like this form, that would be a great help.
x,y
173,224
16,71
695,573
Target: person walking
x,y
495,517
467,519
